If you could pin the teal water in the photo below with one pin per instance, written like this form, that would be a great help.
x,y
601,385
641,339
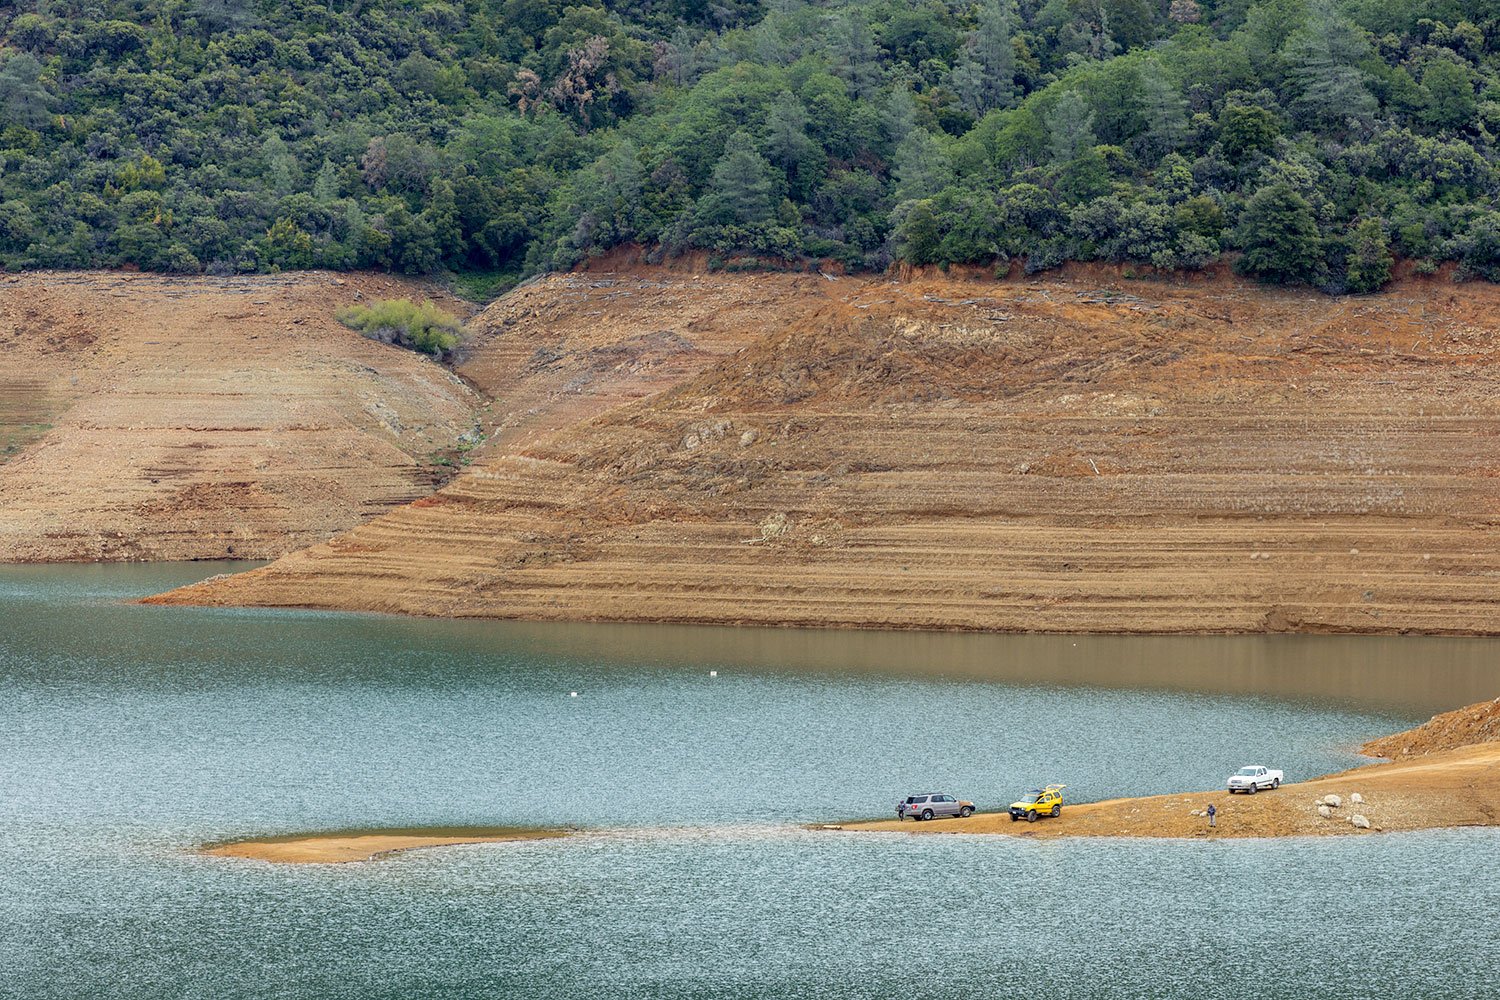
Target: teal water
x,y
129,734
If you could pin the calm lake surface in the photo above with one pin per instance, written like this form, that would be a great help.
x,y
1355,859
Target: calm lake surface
x,y
130,734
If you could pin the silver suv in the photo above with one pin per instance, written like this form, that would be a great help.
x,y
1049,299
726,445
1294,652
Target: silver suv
x,y
932,805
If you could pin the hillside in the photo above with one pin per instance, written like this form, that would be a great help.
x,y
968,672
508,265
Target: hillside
x,y
1312,141
1075,453
144,417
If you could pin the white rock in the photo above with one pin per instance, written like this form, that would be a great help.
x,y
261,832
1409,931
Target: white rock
x,y
1332,800
1360,823
1355,798
748,438
1325,812
774,526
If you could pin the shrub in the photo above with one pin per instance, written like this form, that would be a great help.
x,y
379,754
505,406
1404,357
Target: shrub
x,y
424,327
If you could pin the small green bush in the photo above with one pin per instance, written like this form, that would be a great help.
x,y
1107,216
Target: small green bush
x,y
402,322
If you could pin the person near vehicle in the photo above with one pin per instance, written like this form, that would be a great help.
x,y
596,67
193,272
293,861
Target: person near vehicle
x,y
1211,813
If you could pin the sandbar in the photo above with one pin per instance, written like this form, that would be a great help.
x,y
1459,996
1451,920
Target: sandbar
x,y
343,846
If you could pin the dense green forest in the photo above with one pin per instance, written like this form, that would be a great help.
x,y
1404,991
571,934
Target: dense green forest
x,y
1315,139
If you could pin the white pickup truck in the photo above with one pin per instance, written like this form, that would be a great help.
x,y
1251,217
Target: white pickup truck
x,y
1252,778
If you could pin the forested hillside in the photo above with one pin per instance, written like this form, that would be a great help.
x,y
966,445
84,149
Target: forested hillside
x,y
1315,138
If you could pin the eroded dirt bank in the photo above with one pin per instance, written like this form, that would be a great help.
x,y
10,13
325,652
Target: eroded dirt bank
x,y
1079,453
157,418
1455,783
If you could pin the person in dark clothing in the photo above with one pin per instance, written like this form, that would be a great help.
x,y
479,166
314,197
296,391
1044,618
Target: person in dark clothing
x,y
1211,813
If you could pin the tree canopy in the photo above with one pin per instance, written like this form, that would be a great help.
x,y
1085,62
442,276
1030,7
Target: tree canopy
x,y
1318,139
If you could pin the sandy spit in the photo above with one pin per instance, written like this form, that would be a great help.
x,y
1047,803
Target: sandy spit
x,y
340,847
1448,788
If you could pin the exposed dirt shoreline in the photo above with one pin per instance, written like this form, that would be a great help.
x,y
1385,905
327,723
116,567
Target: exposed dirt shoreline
x,y
1442,780
155,418
1065,453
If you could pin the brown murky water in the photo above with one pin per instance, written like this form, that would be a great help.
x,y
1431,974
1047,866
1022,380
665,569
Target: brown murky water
x,y
1410,674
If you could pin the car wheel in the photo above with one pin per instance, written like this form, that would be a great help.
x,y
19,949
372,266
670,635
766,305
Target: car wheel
x,y
1275,782
965,812
1013,817
1057,810
1253,788
927,814
1031,815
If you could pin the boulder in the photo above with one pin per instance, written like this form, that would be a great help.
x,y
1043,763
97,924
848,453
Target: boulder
x,y
1355,798
1332,800
1325,812
1359,822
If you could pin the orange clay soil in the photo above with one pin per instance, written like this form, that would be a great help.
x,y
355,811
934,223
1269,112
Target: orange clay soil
x,y
145,417
1070,452
1455,784
340,847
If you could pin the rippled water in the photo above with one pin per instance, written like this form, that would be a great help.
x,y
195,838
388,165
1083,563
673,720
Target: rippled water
x,y
129,734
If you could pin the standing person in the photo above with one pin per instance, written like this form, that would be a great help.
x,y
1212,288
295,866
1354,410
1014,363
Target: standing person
x,y
1211,813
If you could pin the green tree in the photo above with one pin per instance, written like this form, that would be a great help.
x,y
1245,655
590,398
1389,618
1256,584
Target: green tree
x,y
1070,128
922,167
787,142
918,234
740,191
985,75
1162,108
1279,236
23,98
1450,95
852,51
1323,60
1245,129
280,165
1369,260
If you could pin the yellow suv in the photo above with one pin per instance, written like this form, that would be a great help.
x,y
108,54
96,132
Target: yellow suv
x,y
1038,802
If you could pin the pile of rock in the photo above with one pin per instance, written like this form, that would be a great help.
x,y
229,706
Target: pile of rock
x,y
1328,804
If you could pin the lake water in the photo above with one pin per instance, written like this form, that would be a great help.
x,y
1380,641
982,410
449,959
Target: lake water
x,y
130,734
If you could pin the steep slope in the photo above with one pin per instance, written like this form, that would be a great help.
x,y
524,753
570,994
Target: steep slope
x,y
1075,453
201,418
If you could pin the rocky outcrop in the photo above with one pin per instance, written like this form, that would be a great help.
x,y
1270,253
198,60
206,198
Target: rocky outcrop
x,y
1478,723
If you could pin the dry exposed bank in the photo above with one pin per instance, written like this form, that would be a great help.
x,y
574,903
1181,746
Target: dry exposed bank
x,y
337,848
1450,777
1075,453
156,418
